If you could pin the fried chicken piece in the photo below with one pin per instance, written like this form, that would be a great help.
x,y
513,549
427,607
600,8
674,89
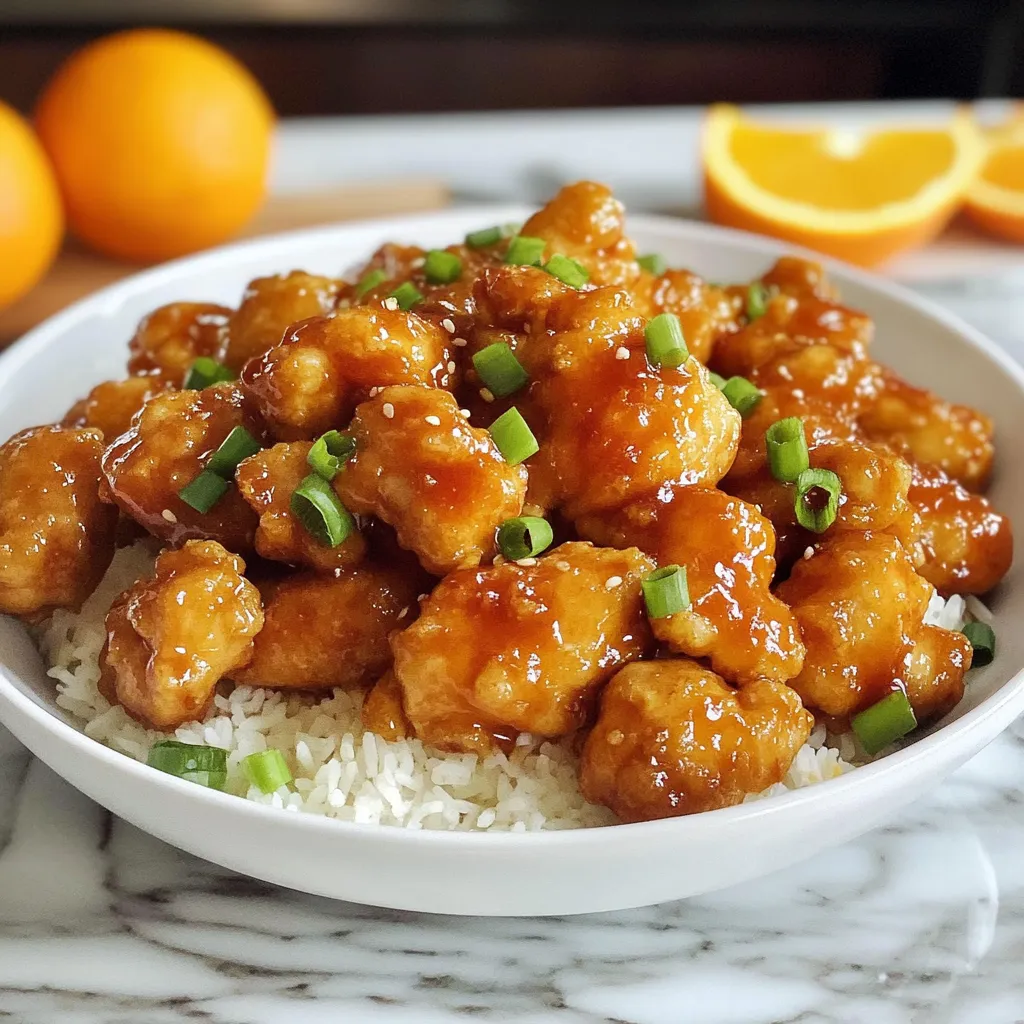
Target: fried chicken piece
x,y
793,275
727,549
171,338
671,739
270,306
322,631
929,430
383,712
166,448
56,535
967,544
267,481
934,672
172,638
442,484
110,406
861,606
314,378
520,648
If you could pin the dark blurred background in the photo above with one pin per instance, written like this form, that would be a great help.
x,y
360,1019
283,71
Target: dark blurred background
x,y
381,56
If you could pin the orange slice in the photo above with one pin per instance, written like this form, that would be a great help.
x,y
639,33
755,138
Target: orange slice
x,y
860,195
995,201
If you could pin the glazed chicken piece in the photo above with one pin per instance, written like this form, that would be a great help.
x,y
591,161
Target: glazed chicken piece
x,y
861,606
166,448
172,638
520,647
383,712
267,481
322,631
56,535
442,484
110,406
171,338
270,306
967,545
671,739
931,431
793,275
726,548
312,381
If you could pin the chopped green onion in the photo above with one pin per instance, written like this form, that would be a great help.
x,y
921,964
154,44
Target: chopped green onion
x,y
757,300
817,499
485,237
204,491
441,267
653,263
717,379
320,511
525,251
330,452
743,396
567,270
513,437
885,722
983,642
524,537
407,295
786,446
205,372
666,345
238,445
266,770
370,280
666,592
499,369
207,766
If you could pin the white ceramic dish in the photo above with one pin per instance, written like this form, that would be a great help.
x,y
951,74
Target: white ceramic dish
x,y
508,874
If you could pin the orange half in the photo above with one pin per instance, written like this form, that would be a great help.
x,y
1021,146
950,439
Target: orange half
x,y
862,196
995,201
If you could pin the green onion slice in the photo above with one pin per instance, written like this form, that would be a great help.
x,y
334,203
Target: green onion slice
x,y
321,512
525,251
743,396
238,445
757,300
654,263
513,437
567,270
204,491
490,236
885,722
205,372
499,369
717,379
666,592
330,452
370,280
983,642
666,345
786,445
207,766
407,294
266,770
817,499
441,267
524,537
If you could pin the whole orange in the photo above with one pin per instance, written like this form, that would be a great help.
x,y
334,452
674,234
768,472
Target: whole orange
x,y
31,221
160,142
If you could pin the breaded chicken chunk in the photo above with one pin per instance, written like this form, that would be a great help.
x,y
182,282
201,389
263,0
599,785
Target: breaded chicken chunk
x,y
726,547
172,638
442,484
671,739
166,448
171,338
110,406
520,647
56,535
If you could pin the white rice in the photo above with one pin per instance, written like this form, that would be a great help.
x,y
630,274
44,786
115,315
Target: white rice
x,y
342,771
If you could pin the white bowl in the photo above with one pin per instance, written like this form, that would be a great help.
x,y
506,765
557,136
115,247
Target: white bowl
x,y
511,874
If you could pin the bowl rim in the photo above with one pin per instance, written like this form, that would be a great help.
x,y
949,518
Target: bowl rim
x,y
1009,696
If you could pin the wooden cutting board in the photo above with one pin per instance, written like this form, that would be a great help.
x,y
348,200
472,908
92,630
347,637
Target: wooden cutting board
x,y
77,272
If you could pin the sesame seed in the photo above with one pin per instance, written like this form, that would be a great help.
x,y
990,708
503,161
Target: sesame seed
x,y
465,413
374,392
389,411
563,565
622,352
459,342
391,303
434,421
344,303
808,552
417,263
612,582
486,395
452,367
169,515
422,597
405,611
498,560
615,737
526,562
448,324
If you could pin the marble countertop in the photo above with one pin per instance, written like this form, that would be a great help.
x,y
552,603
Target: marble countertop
x,y
921,921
